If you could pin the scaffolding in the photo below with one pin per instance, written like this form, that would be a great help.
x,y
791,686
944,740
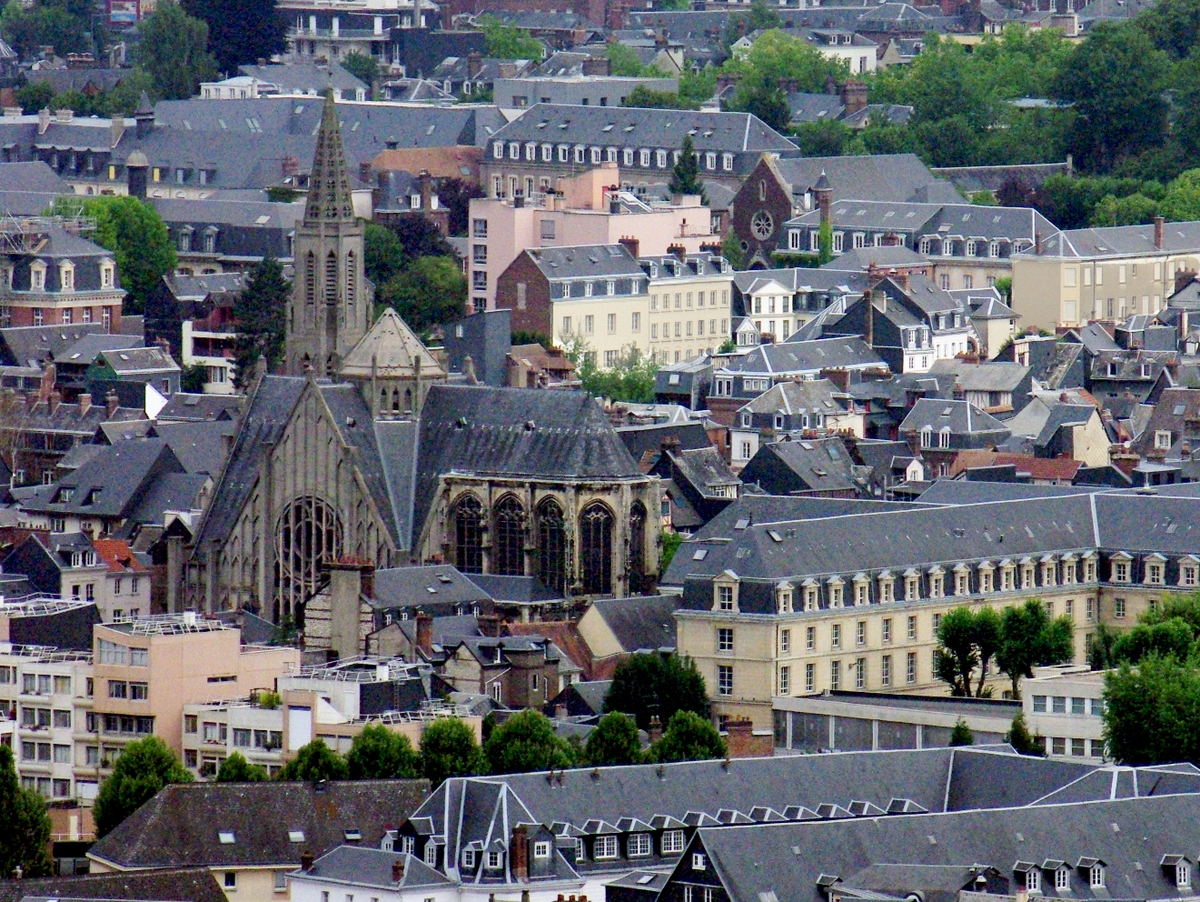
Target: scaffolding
x,y
24,234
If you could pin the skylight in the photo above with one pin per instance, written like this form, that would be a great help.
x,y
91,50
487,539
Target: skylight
x,y
295,836
226,837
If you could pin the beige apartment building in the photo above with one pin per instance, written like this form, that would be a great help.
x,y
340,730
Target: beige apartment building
x,y
584,211
1102,274
689,305
777,609
147,670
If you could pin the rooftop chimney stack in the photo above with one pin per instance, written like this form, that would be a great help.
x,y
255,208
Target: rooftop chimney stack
x,y
425,633
306,860
111,403
398,870
1159,232
519,854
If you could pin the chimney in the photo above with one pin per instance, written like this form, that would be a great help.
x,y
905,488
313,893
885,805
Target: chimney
x,y
853,96
518,851
839,376
824,195
306,860
654,730
425,633
518,199
116,130
366,575
489,626
43,120
474,63
398,869
364,171
1159,232
64,115
614,205
55,400
633,245
111,403
597,65
425,186
85,404
679,251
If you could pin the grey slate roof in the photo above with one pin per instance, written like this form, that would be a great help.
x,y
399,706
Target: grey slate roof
x,y
891,178
995,375
365,867
597,260
410,587
962,417
30,345
816,465
806,357
111,483
179,826
27,189
1119,241
641,623
200,447
637,127
192,884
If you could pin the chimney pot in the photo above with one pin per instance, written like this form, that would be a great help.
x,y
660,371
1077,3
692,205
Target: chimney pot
x,y
85,404
306,860
111,402
398,870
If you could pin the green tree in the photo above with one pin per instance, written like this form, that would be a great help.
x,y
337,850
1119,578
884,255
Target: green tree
x,y
35,96
314,762
1117,117
527,742
1029,637
614,741
731,250
194,378
449,749
1118,211
236,769
685,176
760,96
260,312
759,18
648,98
377,753
362,66
1182,200
688,737
1019,738
383,253
961,734
1173,26
145,767
671,542
773,57
825,242
623,61
173,51
1165,638
136,235
508,42
1152,712
956,656
631,378
26,834
240,31
824,138
429,291
649,684
456,195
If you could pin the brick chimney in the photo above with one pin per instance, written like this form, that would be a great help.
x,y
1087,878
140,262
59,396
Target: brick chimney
x,y
306,860
1159,232
654,730
425,633
823,193
55,400
85,404
111,403
489,626
398,869
425,186
839,376
742,743
518,851
597,65
679,251
633,245
474,63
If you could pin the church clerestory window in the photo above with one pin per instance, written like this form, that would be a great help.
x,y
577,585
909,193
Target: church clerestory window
x,y
596,531
468,535
552,540
509,556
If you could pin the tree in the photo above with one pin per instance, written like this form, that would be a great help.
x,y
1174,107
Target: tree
x,y
383,253
1173,26
685,176
260,312
173,51
961,734
761,97
648,98
823,138
1102,654
456,195
671,542
689,737
649,684
136,235
431,290
1019,738
630,378
731,250
1118,211
1172,638
314,762
956,658
1151,715
1117,117
362,66
449,749
236,769
35,96
623,61
507,42
240,31
1182,200
1028,638
614,741
377,753
26,834
194,378
526,742
421,238
145,767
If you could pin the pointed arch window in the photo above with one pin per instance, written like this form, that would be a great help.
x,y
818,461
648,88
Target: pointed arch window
x,y
468,535
310,278
331,278
351,280
509,557
595,539
637,547
552,540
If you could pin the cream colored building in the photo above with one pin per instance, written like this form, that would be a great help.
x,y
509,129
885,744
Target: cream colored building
x,y
854,602
689,305
146,671
1064,708
1102,274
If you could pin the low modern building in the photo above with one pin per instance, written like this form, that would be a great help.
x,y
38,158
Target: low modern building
x,y
1064,707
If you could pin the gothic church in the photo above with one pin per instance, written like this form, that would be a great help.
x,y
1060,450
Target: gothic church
x,y
367,450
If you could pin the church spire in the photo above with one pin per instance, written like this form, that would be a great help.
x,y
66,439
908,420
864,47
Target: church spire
x,y
329,197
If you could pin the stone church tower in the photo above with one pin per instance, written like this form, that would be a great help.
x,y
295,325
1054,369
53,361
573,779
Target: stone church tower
x,y
331,305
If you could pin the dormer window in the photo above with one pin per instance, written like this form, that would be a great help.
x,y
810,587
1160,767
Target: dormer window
x,y
1033,881
605,847
66,276
1183,874
1062,880
1154,573
639,845
1096,876
541,849
37,276
495,861
1120,572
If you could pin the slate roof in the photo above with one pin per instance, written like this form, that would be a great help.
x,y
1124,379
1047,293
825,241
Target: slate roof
x,y
946,220
598,260
27,189
802,279
514,432
642,439
796,397
1117,241
756,861
815,465
996,375
400,587
303,77
889,178
180,826
389,348
84,351
791,357
365,867
200,447
30,345
704,468
643,623
111,483
191,884
637,127
266,414
139,361
962,417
